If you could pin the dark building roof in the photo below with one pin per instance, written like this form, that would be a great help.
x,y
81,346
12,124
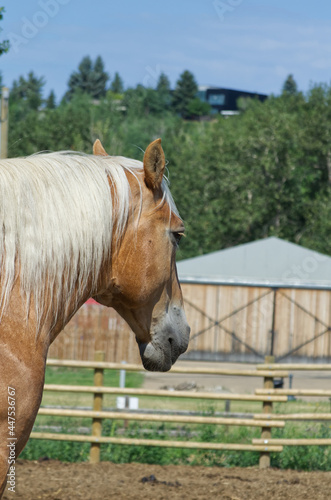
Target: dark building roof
x,y
225,101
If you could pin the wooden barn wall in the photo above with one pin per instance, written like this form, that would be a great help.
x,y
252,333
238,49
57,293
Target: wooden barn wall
x,y
303,315
229,319
96,328
237,321
227,322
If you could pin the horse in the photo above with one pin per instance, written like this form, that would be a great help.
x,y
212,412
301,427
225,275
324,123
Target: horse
x,y
76,226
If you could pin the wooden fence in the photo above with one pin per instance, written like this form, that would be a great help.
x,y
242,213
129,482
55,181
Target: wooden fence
x,y
295,392
266,420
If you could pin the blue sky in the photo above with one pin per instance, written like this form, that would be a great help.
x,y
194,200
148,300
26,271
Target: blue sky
x,y
240,44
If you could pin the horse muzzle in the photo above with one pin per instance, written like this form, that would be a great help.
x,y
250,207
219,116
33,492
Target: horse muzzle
x,y
168,342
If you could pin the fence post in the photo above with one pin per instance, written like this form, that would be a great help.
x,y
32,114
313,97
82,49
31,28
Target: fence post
x,y
267,408
126,398
4,123
97,406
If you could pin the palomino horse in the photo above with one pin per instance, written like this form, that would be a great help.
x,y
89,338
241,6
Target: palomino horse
x,y
75,226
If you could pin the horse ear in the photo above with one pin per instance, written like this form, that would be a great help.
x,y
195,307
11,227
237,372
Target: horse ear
x,y
98,149
154,163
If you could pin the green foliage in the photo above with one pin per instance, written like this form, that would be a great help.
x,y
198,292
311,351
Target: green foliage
x,y
142,101
255,175
185,91
290,86
303,457
84,376
163,84
4,46
50,102
90,79
65,451
32,131
26,93
196,107
164,92
117,86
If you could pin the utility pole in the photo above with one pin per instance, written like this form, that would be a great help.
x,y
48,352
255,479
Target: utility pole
x,y
4,123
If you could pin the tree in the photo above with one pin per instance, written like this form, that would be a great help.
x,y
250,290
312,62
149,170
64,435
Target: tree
x,y
50,102
90,79
314,116
185,91
138,101
163,84
4,46
116,85
100,78
146,101
164,92
28,92
290,87
317,230
196,107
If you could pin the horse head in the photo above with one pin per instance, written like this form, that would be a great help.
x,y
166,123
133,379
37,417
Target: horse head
x,y
141,283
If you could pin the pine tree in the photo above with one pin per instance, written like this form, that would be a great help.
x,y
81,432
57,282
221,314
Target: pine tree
x,y
290,87
185,91
90,78
163,84
28,91
99,78
163,92
117,84
50,101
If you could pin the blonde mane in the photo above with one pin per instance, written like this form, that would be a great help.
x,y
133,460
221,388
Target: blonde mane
x,y
57,218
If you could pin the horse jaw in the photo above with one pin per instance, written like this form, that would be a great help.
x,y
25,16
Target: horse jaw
x,y
161,339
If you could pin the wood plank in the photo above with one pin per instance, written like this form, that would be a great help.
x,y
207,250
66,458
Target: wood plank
x,y
293,442
294,416
154,442
169,394
295,392
174,369
295,367
187,419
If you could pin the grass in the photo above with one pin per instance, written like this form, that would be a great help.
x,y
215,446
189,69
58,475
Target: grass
x,y
299,457
83,376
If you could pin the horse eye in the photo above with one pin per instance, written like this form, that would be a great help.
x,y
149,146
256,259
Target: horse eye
x,y
177,237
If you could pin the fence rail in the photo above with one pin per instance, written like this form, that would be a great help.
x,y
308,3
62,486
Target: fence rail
x,y
294,367
183,419
294,392
266,420
156,442
294,416
175,369
164,393
293,442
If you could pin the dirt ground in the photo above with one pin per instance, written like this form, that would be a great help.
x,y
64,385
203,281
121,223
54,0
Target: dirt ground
x,y
53,480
